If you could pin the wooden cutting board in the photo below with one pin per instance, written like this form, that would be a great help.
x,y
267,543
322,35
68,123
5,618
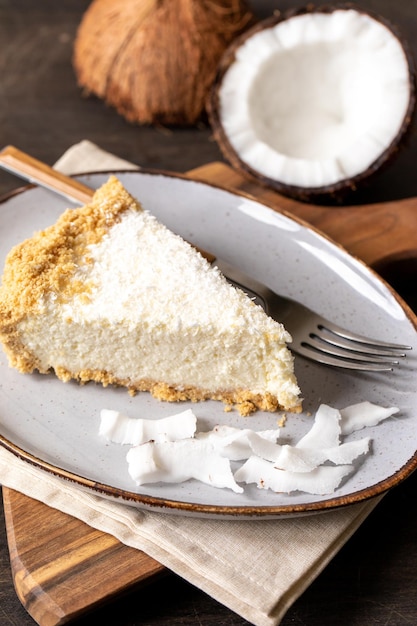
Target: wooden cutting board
x,y
61,567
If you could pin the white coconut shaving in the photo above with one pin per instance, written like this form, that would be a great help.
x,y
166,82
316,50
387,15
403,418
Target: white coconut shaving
x,y
119,428
363,415
172,450
294,459
322,480
178,461
326,430
239,444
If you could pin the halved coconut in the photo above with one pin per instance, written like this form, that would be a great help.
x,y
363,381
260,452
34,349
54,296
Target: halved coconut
x,y
313,101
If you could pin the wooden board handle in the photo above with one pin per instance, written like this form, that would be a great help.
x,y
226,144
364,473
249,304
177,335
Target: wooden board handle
x,y
62,567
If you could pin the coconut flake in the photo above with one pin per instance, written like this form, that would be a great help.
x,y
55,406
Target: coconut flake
x,y
321,481
294,459
179,461
363,414
119,428
239,444
172,451
326,430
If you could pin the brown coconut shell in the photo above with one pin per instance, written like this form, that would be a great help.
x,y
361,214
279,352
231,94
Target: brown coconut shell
x,y
333,193
154,60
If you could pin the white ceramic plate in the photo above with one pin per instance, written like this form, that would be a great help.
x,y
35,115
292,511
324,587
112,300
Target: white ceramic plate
x,y
55,425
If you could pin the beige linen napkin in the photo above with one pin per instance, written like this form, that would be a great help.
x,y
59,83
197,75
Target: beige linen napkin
x,y
257,568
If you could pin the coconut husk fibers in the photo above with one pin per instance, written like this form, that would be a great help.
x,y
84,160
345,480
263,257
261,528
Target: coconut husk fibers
x,y
154,60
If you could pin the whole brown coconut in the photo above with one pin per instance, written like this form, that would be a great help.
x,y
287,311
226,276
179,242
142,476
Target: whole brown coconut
x,y
155,60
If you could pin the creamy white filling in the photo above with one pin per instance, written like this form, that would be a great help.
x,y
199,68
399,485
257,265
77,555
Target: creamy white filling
x,y
316,98
154,309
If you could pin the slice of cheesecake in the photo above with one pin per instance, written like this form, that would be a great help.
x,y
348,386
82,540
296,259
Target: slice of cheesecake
x,y
108,294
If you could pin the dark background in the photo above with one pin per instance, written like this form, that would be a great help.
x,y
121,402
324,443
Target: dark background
x,y
373,579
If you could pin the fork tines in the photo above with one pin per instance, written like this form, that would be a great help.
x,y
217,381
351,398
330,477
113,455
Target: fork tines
x,y
336,346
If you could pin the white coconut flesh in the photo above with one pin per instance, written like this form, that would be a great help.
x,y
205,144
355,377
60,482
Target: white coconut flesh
x,y
317,98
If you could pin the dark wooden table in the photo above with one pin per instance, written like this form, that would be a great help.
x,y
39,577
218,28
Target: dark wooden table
x,y
373,579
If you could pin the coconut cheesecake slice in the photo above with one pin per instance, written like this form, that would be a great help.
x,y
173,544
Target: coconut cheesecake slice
x,y
108,294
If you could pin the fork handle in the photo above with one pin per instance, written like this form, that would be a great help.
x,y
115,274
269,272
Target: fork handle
x,y
29,168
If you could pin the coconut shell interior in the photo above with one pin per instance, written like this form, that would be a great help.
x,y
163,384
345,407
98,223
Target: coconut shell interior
x,y
333,192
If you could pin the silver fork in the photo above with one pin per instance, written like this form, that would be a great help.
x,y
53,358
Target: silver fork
x,y
313,336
